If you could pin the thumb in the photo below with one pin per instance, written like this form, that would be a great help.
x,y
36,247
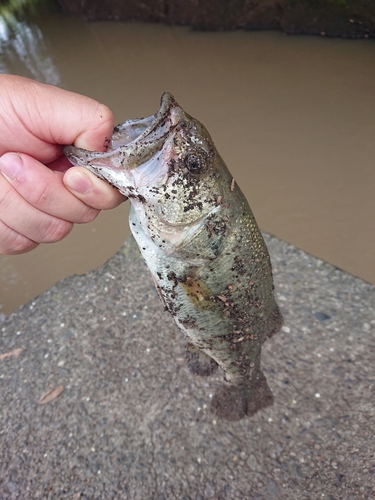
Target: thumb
x,y
92,191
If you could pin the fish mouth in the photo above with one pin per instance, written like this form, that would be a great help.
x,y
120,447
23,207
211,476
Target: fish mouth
x,y
133,143
149,130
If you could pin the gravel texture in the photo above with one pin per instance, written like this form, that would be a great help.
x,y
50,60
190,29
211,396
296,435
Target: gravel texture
x,y
131,421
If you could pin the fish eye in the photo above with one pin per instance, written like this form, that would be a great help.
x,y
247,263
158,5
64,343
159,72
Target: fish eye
x,y
196,161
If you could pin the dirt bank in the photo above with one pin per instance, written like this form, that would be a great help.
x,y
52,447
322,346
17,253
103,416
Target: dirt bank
x,y
338,18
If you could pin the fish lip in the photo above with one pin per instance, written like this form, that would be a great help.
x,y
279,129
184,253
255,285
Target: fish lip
x,y
138,150
167,104
154,133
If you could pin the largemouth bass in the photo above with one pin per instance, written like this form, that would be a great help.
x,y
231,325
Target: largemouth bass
x,y
202,245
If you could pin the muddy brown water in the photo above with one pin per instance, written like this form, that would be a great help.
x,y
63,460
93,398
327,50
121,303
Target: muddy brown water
x,y
293,117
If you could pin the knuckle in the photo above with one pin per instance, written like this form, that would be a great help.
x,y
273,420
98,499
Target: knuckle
x,y
89,215
6,199
41,196
23,245
55,230
13,243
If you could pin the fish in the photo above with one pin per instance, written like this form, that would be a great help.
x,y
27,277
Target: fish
x,y
202,245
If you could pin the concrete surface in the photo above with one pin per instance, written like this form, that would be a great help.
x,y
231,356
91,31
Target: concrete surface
x,y
133,423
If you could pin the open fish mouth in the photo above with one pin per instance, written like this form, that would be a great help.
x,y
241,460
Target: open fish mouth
x,y
152,129
136,162
133,143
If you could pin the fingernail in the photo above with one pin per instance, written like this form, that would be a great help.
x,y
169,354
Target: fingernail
x,y
78,182
11,166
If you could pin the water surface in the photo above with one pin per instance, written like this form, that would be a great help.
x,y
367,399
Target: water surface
x,y
293,117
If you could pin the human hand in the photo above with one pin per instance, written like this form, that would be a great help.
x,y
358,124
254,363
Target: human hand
x,y
41,194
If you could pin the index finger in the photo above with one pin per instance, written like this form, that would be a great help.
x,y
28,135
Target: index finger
x,y
35,117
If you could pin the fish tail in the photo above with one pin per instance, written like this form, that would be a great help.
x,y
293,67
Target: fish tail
x,y
233,402
198,362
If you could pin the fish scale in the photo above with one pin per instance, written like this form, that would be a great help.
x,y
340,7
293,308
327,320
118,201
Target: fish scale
x,y
201,242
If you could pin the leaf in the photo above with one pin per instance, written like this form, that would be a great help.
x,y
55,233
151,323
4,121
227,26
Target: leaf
x,y
51,395
15,353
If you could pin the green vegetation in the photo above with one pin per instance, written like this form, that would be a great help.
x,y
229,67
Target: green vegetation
x,y
20,8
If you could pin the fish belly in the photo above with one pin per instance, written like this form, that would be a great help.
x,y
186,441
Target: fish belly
x,y
225,319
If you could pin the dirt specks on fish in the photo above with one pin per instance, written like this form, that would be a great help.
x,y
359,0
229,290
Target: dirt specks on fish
x,y
202,245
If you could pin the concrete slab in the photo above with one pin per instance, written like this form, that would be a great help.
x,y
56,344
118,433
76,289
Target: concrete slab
x,y
131,421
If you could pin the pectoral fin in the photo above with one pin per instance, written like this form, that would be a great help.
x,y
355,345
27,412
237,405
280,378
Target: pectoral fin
x,y
198,362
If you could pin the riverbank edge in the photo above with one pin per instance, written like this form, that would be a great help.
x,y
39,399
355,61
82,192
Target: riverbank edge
x,y
331,18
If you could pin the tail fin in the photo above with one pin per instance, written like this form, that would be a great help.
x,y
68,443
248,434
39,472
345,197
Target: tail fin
x,y
235,402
